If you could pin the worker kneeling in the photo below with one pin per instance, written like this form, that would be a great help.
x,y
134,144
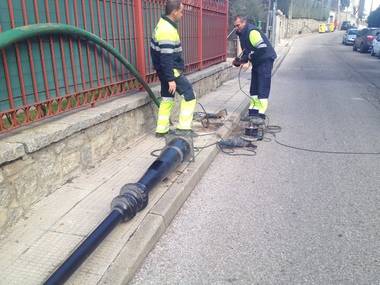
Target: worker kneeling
x,y
166,52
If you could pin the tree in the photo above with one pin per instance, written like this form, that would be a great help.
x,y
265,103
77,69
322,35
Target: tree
x,y
374,18
253,9
344,4
283,5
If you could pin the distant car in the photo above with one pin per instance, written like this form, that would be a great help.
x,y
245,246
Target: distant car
x,y
349,36
345,25
376,46
364,38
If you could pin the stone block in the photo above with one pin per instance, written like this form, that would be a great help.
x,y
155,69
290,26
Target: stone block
x,y
39,137
76,141
14,214
119,125
6,194
122,133
95,131
86,156
3,217
70,163
17,166
48,166
102,144
10,151
25,184
59,147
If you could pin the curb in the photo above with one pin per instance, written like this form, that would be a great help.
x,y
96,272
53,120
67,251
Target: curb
x,y
155,223
283,56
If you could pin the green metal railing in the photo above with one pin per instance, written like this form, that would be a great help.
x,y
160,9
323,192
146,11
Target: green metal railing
x,y
44,74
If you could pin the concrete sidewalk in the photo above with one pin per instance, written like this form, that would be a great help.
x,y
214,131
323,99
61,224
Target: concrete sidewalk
x,y
58,223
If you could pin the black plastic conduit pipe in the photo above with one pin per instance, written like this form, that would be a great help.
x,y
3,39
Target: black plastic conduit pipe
x,y
133,198
18,34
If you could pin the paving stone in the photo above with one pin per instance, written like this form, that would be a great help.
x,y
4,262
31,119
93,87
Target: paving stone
x,y
36,263
10,151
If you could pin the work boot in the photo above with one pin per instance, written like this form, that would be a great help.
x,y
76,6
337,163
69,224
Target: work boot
x,y
246,118
262,116
161,135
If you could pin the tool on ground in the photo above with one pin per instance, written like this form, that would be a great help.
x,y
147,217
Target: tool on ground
x,y
205,117
254,131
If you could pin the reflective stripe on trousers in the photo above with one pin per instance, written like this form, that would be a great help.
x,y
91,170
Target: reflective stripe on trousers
x,y
164,111
261,105
186,114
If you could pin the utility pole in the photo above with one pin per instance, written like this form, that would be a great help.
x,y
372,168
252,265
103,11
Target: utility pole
x,y
322,10
338,15
268,19
274,23
290,16
361,9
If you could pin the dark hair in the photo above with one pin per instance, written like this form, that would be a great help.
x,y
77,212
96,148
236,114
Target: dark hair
x,y
242,18
172,5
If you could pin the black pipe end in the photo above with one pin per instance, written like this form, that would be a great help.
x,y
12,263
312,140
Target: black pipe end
x,y
182,144
132,199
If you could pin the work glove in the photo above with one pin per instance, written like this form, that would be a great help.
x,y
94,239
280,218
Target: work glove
x,y
236,62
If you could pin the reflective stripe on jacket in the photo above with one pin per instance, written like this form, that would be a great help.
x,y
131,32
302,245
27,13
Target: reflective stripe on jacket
x,y
253,40
166,49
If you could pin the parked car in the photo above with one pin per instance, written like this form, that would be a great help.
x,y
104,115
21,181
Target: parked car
x,y
376,46
345,25
364,38
349,36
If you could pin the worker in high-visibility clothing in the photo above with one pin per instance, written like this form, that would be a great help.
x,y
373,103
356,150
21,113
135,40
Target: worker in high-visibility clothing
x,y
257,49
166,52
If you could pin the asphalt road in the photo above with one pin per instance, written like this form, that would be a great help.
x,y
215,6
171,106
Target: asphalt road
x,y
288,216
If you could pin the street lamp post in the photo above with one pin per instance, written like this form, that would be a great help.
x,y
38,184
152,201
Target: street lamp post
x,y
273,34
290,16
268,19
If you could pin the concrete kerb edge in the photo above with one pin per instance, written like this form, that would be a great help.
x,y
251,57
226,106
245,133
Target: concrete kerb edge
x,y
283,56
124,267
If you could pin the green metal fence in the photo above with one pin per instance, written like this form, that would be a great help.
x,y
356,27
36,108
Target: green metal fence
x,y
47,75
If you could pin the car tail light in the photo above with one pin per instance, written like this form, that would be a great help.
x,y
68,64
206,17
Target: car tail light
x,y
370,38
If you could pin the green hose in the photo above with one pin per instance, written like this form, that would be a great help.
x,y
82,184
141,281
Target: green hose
x,y
18,34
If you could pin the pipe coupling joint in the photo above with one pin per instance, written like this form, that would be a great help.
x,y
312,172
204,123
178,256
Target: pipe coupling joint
x,y
131,200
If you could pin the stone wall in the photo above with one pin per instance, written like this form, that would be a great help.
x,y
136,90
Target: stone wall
x,y
285,29
288,28
36,161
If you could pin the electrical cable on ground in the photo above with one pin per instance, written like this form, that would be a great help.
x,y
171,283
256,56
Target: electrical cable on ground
x,y
207,123
273,130
228,146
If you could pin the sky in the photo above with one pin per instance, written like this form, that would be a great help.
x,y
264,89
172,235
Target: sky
x,y
367,6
